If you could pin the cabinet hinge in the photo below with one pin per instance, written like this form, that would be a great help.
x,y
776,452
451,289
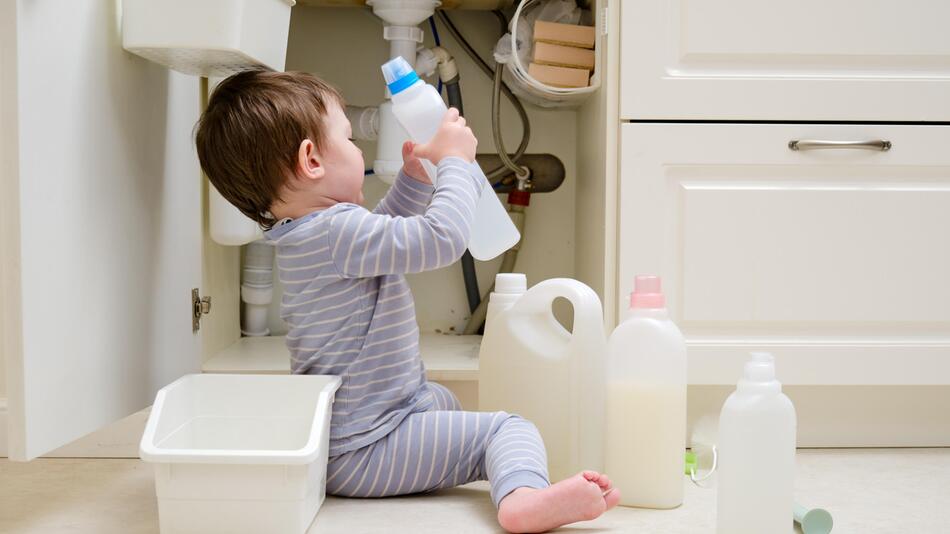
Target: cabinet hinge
x,y
199,306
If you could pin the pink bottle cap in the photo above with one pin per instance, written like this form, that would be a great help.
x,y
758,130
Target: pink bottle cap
x,y
647,293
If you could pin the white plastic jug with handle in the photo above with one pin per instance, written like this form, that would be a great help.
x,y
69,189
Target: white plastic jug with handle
x,y
532,366
646,402
419,108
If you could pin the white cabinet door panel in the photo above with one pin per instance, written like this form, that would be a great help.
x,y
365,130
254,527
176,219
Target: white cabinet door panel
x,y
837,260
848,60
104,247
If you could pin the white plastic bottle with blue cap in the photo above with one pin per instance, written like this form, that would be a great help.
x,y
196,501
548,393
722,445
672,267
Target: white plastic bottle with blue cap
x,y
419,109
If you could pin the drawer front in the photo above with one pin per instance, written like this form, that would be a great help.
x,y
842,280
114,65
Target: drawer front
x,y
808,60
836,260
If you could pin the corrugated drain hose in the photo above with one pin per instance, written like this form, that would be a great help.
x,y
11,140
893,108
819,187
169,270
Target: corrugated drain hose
x,y
469,274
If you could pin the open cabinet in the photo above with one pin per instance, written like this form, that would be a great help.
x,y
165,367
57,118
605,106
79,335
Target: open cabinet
x,y
554,229
105,233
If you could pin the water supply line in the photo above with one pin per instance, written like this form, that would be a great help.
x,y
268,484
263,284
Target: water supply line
x,y
521,172
495,174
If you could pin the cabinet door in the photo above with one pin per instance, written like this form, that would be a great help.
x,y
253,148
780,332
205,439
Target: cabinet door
x,y
835,260
101,223
847,60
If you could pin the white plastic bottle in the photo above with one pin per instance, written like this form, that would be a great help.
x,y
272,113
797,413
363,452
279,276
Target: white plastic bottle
x,y
646,402
532,366
756,454
419,109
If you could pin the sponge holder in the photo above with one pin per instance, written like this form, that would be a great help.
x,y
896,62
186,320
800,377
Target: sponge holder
x,y
540,94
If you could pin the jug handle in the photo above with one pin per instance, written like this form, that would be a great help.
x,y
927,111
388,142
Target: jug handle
x,y
586,395
588,311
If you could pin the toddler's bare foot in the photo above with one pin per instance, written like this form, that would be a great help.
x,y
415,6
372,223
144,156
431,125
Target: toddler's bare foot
x,y
582,497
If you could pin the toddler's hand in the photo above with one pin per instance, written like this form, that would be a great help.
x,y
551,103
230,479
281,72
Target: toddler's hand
x,y
412,166
452,139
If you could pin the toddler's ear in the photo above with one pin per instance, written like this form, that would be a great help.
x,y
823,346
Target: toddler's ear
x,y
309,164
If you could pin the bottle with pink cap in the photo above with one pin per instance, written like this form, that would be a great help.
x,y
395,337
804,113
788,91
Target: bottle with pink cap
x,y
646,402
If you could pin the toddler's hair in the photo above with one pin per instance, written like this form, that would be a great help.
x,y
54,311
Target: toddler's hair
x,y
248,137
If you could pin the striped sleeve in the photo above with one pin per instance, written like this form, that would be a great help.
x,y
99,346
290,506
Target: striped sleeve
x,y
364,244
407,197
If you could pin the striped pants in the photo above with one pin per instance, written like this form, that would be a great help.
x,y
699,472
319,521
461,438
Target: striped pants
x,y
441,448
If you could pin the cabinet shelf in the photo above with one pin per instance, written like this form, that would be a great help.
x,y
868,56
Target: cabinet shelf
x,y
447,358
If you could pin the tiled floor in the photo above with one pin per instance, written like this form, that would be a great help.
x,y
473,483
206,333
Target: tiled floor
x,y
868,492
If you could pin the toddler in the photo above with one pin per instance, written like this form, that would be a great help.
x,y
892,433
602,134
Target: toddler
x,y
277,146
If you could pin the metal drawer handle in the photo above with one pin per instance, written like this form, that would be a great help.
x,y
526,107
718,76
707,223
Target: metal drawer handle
x,y
816,144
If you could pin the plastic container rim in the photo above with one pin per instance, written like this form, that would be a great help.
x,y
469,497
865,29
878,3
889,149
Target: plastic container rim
x,y
151,453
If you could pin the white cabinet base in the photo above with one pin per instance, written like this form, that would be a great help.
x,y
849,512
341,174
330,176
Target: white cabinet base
x,y
875,416
852,416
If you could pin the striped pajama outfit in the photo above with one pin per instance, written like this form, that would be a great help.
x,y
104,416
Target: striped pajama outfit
x,y
442,448
350,313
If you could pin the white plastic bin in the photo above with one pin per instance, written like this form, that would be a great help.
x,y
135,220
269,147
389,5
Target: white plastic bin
x,y
208,37
240,453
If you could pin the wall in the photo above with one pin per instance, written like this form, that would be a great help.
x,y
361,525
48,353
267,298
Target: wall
x,y
345,46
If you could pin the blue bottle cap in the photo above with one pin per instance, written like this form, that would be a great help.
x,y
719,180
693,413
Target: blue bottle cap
x,y
398,74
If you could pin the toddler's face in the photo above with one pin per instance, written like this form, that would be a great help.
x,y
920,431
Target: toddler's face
x,y
342,159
